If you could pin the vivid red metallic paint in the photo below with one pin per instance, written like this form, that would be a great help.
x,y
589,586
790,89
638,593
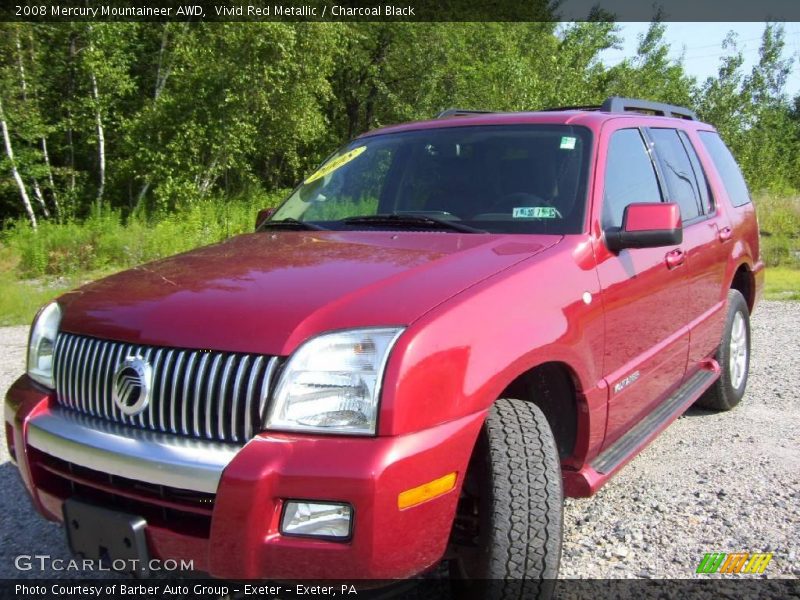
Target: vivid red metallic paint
x,y
653,216
480,310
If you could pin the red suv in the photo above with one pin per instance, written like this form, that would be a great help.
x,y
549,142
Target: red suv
x,y
442,328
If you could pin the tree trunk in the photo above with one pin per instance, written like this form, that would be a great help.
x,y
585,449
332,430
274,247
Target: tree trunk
x,y
70,92
26,201
37,192
46,156
209,178
98,117
162,71
101,141
140,196
23,81
352,108
71,144
21,63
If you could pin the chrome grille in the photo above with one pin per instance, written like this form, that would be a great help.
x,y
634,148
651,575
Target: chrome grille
x,y
207,394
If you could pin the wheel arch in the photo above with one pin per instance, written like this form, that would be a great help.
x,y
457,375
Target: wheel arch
x,y
556,389
744,282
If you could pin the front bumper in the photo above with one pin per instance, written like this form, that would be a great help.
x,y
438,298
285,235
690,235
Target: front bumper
x,y
227,502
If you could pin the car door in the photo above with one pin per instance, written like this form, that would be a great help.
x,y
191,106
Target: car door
x,y
644,295
707,239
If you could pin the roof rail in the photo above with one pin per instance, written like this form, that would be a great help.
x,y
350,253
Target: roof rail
x,y
461,112
579,107
615,104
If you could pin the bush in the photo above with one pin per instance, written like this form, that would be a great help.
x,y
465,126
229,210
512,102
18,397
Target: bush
x,y
105,241
779,219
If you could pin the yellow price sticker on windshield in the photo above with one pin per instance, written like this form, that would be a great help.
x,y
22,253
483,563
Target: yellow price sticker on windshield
x,y
334,164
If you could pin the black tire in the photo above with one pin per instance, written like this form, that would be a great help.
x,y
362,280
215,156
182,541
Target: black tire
x,y
726,393
507,535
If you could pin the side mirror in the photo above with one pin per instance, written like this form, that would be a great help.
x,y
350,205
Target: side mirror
x,y
263,215
647,225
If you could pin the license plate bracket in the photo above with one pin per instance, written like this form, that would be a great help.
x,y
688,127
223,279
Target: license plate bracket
x,y
110,537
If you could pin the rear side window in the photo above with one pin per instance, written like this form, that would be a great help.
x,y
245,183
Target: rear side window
x,y
629,178
678,173
706,200
727,168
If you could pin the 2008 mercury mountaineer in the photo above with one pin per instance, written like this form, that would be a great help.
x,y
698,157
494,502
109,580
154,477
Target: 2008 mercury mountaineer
x,y
442,330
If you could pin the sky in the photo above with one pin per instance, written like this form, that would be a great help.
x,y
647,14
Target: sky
x,y
701,44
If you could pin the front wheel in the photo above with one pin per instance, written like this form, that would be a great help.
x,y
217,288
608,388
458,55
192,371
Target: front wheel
x,y
507,534
733,357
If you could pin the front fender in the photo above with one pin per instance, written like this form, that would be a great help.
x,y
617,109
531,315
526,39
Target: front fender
x,y
458,358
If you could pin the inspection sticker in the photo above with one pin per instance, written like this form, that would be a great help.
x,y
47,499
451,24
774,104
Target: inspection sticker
x,y
534,212
568,142
330,166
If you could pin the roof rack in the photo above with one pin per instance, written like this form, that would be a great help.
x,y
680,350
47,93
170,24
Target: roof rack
x,y
616,104
461,112
579,107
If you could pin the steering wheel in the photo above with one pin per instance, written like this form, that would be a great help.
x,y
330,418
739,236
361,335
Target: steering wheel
x,y
519,199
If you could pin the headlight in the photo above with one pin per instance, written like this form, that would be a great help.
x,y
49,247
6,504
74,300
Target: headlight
x,y
331,384
41,344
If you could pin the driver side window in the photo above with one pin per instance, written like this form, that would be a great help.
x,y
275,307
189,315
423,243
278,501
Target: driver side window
x,y
629,178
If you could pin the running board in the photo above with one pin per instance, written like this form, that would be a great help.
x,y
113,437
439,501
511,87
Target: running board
x,y
616,454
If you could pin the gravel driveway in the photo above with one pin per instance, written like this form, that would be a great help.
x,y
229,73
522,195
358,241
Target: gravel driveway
x,y
710,483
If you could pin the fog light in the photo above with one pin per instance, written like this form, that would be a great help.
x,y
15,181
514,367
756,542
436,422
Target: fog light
x,y
318,519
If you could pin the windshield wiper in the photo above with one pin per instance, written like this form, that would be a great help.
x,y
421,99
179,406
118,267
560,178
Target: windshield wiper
x,y
290,223
404,220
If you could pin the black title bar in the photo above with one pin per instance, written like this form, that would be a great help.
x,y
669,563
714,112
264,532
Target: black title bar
x,y
397,10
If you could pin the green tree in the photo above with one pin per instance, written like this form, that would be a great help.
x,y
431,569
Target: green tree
x,y
651,74
147,117
753,113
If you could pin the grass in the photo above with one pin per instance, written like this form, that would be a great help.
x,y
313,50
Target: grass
x,y
21,298
38,266
782,283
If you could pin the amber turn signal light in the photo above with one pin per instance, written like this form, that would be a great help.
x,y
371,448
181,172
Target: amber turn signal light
x,y
426,491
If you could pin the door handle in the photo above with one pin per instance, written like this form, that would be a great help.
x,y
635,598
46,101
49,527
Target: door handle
x,y
725,234
675,258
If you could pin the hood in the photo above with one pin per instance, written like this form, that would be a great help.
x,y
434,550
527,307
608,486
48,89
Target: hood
x,y
267,292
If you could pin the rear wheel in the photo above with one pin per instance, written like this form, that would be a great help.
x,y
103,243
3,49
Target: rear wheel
x,y
507,534
733,357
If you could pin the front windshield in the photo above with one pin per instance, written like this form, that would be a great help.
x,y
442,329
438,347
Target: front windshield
x,y
500,179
